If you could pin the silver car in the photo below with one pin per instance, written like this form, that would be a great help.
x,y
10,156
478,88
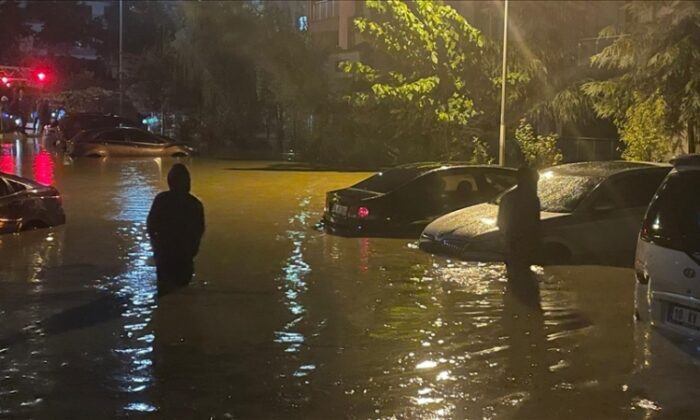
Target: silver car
x,y
591,214
125,141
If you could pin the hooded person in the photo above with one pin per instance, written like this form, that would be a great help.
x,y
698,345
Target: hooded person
x,y
519,221
175,226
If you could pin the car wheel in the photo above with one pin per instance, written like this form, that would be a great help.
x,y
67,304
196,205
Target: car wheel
x,y
179,154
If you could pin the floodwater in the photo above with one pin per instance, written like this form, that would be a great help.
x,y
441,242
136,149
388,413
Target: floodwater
x,y
284,321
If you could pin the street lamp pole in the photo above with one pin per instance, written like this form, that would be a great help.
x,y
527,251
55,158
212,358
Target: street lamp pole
x,y
502,133
121,41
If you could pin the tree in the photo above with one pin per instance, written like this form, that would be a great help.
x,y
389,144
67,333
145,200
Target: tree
x,y
539,151
12,29
653,63
433,74
644,130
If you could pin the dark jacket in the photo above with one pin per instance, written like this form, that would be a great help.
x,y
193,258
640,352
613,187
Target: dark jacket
x,y
519,216
176,222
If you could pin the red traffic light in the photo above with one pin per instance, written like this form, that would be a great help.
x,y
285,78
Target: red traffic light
x,y
41,76
4,79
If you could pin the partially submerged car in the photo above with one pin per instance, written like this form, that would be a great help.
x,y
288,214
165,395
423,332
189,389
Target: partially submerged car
x,y
67,127
591,213
25,204
125,141
667,264
403,200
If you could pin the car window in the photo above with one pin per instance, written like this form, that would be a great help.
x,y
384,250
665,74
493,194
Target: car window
x,y
635,190
673,217
458,182
4,188
15,186
111,135
389,180
498,182
561,193
142,137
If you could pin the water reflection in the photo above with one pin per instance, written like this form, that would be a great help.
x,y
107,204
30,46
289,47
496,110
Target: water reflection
x,y
42,167
136,187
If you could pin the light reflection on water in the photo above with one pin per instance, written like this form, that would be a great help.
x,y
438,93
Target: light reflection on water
x,y
293,285
136,284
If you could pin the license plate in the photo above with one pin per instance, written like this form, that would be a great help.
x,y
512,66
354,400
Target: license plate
x,y
684,316
340,210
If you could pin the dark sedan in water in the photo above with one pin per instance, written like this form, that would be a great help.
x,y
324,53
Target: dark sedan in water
x,y
591,213
25,204
403,200
125,141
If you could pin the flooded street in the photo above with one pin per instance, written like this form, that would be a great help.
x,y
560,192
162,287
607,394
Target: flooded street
x,y
285,321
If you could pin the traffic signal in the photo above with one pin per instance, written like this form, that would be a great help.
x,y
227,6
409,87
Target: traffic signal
x,y
41,76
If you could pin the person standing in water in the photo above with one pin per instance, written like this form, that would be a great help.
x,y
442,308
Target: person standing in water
x,y
519,221
175,226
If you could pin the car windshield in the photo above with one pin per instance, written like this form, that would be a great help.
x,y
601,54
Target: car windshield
x,y
390,180
561,193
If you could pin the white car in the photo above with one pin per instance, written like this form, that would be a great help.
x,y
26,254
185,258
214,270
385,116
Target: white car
x,y
667,264
591,214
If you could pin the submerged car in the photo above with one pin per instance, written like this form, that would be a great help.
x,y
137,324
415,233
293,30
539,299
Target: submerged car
x,y
25,204
125,141
667,264
67,127
403,200
591,212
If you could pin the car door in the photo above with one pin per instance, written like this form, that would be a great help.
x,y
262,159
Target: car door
x,y
114,141
146,143
612,219
10,208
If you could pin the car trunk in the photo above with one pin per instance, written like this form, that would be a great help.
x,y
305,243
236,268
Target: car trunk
x,y
341,203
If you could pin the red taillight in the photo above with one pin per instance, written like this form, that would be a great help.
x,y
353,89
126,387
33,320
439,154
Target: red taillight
x,y
362,212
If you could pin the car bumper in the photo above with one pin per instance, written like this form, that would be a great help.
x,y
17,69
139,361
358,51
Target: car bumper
x,y
464,250
359,228
675,313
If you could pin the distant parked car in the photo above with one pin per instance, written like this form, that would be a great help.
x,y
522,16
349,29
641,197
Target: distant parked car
x,y
403,200
667,265
591,213
25,204
125,141
67,127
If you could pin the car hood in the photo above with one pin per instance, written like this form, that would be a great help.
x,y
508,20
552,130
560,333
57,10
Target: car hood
x,y
471,221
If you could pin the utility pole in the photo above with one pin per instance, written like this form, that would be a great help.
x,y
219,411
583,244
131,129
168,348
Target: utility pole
x,y
121,41
502,133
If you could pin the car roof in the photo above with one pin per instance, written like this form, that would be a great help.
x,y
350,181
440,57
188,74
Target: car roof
x,y
687,162
602,169
21,180
430,166
101,129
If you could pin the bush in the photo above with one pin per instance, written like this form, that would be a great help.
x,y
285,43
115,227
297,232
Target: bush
x,y
644,132
539,151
